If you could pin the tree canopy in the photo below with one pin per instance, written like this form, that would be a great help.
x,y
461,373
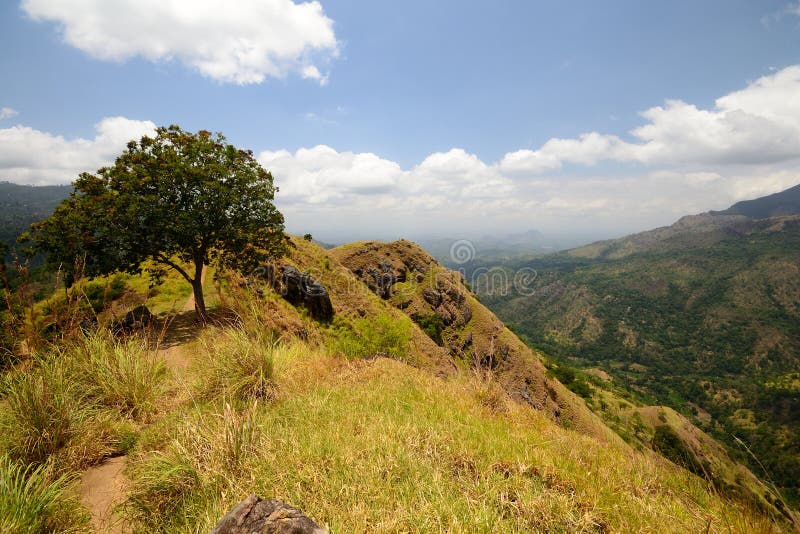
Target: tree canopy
x,y
190,197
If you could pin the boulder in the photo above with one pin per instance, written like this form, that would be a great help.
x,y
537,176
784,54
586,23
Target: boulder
x,y
302,290
136,319
257,516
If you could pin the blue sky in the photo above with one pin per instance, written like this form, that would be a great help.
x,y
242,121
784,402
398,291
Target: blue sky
x,y
381,119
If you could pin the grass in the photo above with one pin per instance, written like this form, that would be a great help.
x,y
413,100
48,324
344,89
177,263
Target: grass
x,y
31,501
236,364
124,375
379,446
81,403
44,411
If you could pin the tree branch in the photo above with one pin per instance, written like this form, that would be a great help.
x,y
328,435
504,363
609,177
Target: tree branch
x,y
167,261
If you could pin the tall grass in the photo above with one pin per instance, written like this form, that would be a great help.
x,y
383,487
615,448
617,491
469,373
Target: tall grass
x,y
32,502
236,363
44,411
124,375
78,404
209,452
381,447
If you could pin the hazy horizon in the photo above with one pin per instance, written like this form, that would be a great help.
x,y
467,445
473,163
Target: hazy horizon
x,y
583,122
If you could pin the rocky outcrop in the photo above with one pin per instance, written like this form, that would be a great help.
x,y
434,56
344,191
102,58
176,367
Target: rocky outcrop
x,y
257,516
300,289
138,318
380,269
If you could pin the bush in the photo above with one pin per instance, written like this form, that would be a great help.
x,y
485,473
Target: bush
x,y
431,324
30,502
102,291
384,335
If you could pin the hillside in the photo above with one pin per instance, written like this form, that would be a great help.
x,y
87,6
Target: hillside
x,y
784,203
702,316
412,409
21,205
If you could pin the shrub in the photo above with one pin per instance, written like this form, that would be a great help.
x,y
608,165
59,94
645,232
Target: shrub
x,y
384,335
101,291
431,324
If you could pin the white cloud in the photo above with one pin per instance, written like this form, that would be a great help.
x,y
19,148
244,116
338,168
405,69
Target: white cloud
x,y
321,174
7,113
31,156
758,124
687,160
243,41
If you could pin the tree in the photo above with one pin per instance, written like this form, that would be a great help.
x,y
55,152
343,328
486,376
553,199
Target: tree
x,y
174,199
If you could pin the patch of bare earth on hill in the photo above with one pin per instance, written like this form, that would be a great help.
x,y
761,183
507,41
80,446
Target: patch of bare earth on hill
x,y
104,486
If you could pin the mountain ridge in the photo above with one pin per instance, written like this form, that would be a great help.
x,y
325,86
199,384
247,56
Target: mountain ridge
x,y
701,316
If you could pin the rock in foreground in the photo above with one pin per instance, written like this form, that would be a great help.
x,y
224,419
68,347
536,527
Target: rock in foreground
x,y
257,516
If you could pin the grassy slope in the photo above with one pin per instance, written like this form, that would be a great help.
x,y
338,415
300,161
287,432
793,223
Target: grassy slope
x,y
711,321
381,446
375,445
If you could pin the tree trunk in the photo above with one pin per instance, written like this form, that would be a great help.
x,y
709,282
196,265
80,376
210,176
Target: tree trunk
x,y
197,288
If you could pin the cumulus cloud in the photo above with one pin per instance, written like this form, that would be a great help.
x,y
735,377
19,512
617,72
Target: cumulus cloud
x,y
7,113
239,42
321,174
758,124
686,160
31,156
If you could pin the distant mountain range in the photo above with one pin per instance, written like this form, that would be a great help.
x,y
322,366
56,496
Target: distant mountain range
x,y
784,203
20,205
703,316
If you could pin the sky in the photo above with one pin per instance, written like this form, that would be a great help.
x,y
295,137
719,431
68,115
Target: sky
x,y
385,119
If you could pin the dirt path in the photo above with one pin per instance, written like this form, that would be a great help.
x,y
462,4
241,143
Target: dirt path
x,y
104,486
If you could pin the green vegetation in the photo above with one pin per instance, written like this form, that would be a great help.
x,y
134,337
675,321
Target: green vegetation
x,y
705,320
123,375
275,403
431,324
384,335
380,446
236,365
21,205
178,194
32,501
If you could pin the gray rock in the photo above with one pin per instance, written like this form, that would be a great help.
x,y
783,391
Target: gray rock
x,y
257,516
136,319
300,289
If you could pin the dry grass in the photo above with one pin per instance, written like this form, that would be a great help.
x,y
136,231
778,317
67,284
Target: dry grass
x,y
378,446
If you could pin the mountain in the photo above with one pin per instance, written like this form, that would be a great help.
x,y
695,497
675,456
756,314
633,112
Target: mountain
x,y
702,316
412,409
21,205
784,203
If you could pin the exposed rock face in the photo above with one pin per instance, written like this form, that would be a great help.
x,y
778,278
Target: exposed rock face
x,y
302,290
257,516
442,304
381,271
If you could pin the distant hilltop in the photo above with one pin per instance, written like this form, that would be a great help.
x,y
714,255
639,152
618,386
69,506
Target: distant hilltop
x,y
784,203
